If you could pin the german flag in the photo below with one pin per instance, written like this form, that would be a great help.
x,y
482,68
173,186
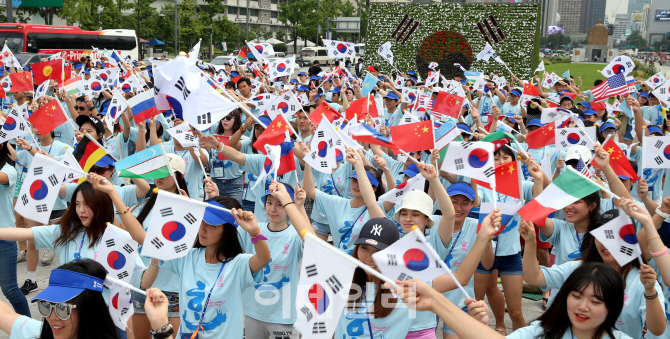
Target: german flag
x,y
88,153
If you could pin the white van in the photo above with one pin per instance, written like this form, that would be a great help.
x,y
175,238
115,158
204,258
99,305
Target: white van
x,y
279,55
309,54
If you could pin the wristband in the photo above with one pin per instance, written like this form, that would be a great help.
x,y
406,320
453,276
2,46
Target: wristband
x,y
664,215
124,212
255,239
659,253
288,204
651,297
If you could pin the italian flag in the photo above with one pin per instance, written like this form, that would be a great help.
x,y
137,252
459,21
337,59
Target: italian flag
x,y
566,189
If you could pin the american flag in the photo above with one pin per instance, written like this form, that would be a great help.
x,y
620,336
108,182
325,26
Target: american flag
x,y
615,85
583,169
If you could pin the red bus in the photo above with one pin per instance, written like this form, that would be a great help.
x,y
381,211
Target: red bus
x,y
73,41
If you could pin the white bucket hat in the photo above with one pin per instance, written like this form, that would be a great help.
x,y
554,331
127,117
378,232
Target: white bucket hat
x,y
418,201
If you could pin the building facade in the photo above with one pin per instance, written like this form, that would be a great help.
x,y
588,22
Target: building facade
x,y
571,15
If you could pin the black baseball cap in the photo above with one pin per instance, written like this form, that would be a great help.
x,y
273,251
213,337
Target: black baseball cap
x,y
606,217
379,233
97,123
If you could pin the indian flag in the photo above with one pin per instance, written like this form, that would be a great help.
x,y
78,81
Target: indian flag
x,y
566,189
74,85
148,164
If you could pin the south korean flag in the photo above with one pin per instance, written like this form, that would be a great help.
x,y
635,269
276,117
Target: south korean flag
x,y
183,134
323,148
117,252
74,171
111,76
323,291
339,49
656,152
470,159
261,102
116,107
14,126
175,221
281,67
567,137
120,304
663,92
656,80
409,96
410,257
40,189
619,237
285,104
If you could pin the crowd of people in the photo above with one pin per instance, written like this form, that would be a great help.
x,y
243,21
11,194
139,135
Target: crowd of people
x,y
212,292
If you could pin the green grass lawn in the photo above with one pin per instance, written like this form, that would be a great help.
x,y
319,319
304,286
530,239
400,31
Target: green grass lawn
x,y
588,72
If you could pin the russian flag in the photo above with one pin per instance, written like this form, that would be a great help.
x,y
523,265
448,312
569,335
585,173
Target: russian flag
x,y
365,133
508,212
143,106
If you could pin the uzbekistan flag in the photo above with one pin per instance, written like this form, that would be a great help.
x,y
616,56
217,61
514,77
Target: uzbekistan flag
x,y
143,106
566,189
88,153
149,164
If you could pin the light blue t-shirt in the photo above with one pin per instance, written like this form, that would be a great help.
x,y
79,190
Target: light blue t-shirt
x,y
653,114
65,132
6,197
566,241
459,247
396,168
55,151
393,118
249,179
534,330
223,317
223,169
508,109
634,312
254,165
508,241
25,327
485,110
653,176
194,176
265,301
354,322
336,183
345,222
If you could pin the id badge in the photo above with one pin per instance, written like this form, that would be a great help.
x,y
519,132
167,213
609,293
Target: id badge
x,y
218,169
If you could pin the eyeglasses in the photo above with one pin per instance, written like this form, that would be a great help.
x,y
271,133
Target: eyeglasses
x,y
228,118
80,108
63,310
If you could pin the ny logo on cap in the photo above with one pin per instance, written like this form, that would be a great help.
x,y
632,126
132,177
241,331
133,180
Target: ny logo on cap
x,y
377,230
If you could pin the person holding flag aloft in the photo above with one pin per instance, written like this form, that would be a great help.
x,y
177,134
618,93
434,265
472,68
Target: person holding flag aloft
x,y
641,295
652,176
216,263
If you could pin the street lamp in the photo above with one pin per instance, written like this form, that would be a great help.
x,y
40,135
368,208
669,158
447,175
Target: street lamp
x,y
177,29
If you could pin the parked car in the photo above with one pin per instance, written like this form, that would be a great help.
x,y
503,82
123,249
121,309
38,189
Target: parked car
x,y
309,54
28,59
220,62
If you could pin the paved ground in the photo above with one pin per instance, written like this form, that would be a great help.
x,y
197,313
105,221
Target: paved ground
x,y
531,309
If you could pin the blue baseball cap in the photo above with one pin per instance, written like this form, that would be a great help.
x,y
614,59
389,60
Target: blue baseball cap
x,y
589,111
65,285
413,79
98,63
644,95
585,104
515,92
623,177
381,78
464,128
412,170
293,81
288,189
654,129
314,77
463,189
606,126
26,68
302,73
78,66
411,72
217,217
318,95
335,90
105,161
265,120
371,177
535,122
303,88
87,71
392,96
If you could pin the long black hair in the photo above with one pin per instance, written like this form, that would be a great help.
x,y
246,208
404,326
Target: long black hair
x,y
606,280
93,313
236,124
149,204
229,246
4,155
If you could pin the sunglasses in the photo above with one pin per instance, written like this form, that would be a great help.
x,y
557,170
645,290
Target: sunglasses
x,y
228,118
63,310
100,170
80,108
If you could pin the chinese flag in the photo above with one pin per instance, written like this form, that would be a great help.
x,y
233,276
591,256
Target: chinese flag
x,y
22,82
48,117
597,105
371,69
448,104
414,137
274,134
67,72
330,113
618,161
545,135
530,90
47,70
360,107
226,141
508,180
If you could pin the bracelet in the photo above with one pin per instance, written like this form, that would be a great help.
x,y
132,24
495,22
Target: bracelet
x,y
31,148
289,204
650,239
124,212
651,297
153,266
258,237
162,329
659,253
659,212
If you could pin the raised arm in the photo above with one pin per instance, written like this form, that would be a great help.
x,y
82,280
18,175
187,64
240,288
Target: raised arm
x,y
299,221
307,177
208,141
446,226
247,221
364,185
602,158
531,268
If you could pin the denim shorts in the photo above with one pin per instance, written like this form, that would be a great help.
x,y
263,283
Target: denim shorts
x,y
173,298
321,228
446,328
506,265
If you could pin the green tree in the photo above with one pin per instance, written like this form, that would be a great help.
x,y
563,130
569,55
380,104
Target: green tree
x,y
45,12
557,41
300,17
636,39
191,25
226,30
90,14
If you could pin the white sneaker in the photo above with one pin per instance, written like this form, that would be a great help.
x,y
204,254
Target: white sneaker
x,y
21,256
47,257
